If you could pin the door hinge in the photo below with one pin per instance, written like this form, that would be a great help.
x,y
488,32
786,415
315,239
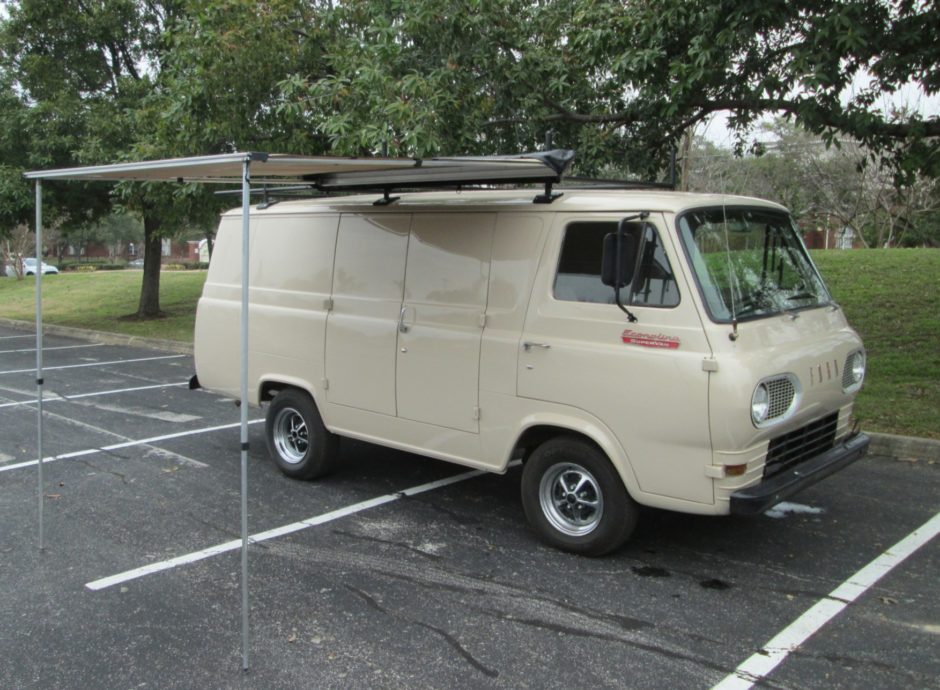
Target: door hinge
x,y
482,320
476,413
709,364
326,384
328,304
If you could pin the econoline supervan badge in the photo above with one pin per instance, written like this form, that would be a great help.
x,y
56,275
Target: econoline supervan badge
x,y
660,340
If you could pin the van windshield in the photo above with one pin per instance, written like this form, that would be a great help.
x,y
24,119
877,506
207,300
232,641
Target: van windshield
x,y
750,263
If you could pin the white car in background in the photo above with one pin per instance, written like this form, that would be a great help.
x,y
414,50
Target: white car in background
x,y
29,267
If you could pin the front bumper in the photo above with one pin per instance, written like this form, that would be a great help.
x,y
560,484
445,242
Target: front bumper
x,y
758,498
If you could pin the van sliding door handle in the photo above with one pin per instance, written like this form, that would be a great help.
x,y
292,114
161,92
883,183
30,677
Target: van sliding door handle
x,y
402,327
528,345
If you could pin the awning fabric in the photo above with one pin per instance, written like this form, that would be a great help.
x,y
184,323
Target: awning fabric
x,y
330,173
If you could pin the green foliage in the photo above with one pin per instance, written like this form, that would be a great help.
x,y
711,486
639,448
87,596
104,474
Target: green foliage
x,y
218,89
620,82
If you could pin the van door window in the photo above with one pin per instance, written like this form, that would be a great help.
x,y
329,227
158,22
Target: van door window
x,y
579,268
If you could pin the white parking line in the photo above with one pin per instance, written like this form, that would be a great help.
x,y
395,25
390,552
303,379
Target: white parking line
x,y
758,666
235,544
93,364
59,397
46,349
14,337
124,444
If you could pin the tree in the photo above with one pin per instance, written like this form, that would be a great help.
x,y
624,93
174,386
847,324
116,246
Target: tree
x,y
15,247
621,82
824,188
82,70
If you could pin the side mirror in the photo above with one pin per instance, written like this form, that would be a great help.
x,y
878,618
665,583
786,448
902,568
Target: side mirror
x,y
625,262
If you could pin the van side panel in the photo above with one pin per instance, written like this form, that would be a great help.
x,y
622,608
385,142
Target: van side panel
x,y
290,278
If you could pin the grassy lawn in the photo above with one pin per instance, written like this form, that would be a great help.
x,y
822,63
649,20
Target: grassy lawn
x,y
98,300
891,297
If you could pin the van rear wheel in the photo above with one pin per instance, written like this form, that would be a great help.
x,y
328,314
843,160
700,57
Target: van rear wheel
x,y
297,440
574,499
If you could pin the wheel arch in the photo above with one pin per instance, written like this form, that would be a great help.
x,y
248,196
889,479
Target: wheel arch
x,y
268,387
538,429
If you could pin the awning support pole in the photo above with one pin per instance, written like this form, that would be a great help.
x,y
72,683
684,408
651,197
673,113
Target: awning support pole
x,y
243,408
39,381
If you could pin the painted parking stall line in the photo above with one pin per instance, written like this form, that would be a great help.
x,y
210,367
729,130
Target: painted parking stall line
x,y
125,444
78,396
47,349
92,364
759,665
235,544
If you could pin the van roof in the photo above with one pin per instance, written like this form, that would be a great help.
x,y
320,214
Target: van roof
x,y
572,199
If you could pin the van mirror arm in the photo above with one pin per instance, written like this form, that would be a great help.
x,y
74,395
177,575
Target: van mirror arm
x,y
621,226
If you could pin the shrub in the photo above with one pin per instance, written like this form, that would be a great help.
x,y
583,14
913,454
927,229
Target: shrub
x,y
95,264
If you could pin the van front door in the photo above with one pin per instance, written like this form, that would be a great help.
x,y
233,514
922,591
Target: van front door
x,y
442,319
645,380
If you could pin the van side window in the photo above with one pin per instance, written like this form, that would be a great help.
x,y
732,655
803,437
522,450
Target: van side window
x,y
579,268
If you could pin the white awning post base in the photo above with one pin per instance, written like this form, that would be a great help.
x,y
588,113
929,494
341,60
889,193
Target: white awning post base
x,y
39,381
243,408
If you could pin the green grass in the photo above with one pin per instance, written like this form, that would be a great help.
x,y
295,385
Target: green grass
x,y
891,297
98,301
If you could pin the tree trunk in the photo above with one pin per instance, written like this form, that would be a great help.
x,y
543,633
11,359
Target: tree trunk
x,y
149,307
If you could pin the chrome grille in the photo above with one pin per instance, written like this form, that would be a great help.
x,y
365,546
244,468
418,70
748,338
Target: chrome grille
x,y
781,392
800,445
847,380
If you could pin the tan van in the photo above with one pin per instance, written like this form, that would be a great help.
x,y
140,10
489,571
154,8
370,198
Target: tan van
x,y
631,347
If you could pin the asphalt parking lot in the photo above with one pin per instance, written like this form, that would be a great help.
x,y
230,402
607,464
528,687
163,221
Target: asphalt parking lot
x,y
445,587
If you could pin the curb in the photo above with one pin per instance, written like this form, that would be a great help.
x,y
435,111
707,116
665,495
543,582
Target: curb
x,y
904,448
900,448
102,337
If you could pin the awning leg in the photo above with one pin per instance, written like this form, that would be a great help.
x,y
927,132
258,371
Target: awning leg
x,y
246,208
39,381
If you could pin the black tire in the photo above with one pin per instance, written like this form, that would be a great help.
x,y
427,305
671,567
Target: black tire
x,y
297,441
574,499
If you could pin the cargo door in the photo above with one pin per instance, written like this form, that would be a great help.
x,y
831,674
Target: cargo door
x,y
442,319
362,328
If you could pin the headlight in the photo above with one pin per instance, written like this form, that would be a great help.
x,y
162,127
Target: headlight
x,y
853,374
774,399
760,404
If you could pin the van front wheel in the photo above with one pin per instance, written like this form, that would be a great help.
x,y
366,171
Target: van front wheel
x,y
298,441
575,500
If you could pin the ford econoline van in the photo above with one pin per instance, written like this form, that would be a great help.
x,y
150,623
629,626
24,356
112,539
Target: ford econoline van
x,y
653,348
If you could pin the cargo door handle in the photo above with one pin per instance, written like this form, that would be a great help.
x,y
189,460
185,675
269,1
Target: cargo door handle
x,y
402,326
528,345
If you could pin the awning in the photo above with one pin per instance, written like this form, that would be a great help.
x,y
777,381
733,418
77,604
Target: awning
x,y
330,173
324,173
